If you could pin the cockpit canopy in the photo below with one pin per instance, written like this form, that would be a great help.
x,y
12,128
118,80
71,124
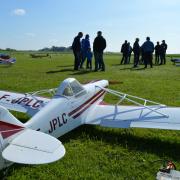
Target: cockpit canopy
x,y
70,87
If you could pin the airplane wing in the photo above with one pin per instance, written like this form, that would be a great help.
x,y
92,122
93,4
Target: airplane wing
x,y
40,148
135,116
25,103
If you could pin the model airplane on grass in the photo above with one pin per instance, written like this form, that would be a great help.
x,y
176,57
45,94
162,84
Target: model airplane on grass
x,y
40,55
72,104
6,59
176,61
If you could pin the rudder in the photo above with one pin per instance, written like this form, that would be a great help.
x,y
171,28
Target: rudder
x,y
9,125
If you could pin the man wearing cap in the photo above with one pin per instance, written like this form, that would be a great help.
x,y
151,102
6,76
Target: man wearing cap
x,y
99,45
163,49
76,47
148,49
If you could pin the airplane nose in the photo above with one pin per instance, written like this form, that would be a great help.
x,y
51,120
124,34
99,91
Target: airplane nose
x,y
105,83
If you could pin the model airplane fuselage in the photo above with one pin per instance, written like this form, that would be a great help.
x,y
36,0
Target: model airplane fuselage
x,y
72,105
69,109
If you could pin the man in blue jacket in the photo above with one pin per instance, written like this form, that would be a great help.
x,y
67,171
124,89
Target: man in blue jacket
x,y
85,45
148,49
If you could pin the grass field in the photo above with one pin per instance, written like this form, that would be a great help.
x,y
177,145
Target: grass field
x,y
95,152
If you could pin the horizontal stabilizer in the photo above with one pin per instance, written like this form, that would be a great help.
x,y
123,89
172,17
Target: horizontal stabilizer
x,y
34,147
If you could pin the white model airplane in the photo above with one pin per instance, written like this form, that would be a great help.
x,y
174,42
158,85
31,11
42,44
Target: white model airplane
x,y
6,59
40,55
176,61
72,105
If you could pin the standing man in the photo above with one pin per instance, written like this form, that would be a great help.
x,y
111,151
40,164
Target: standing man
x,y
157,53
129,52
85,45
76,47
163,52
148,49
124,51
99,45
136,50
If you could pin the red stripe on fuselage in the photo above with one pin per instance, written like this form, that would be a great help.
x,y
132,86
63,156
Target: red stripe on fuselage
x,y
82,105
91,103
7,129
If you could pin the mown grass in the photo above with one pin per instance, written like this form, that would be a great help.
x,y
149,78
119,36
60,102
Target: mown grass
x,y
94,152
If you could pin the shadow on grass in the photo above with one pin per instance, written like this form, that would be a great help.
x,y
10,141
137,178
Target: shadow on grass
x,y
5,66
127,139
81,72
9,170
126,68
133,69
137,69
58,71
66,66
118,64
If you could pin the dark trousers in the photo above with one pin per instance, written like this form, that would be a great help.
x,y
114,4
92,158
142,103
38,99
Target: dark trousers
x,y
89,64
99,62
147,59
157,58
124,58
83,58
163,58
129,59
77,59
136,59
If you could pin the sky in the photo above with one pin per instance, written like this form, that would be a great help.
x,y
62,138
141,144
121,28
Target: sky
x,y
35,24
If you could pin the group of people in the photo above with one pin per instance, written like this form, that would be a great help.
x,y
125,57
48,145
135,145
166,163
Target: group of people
x,y
82,51
145,51
126,51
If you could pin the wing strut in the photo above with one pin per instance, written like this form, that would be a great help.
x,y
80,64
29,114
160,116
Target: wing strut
x,y
44,91
134,99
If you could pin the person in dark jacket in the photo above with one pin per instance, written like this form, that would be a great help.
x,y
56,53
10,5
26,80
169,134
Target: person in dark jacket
x,y
157,53
129,52
76,47
124,51
163,52
99,45
148,49
136,50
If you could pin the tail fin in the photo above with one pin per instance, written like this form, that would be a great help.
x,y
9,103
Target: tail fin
x,y
9,125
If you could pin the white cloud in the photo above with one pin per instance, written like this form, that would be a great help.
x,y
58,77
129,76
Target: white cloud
x,y
53,41
29,34
19,12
